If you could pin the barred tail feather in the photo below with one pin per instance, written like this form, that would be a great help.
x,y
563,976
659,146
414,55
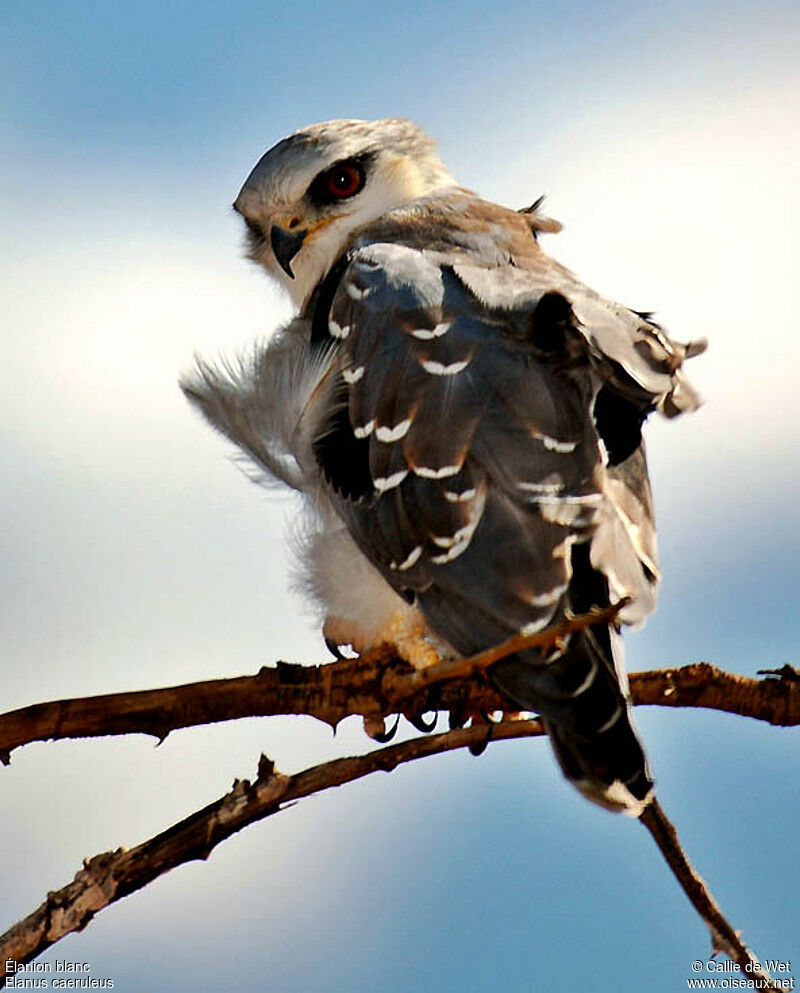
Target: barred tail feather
x,y
589,723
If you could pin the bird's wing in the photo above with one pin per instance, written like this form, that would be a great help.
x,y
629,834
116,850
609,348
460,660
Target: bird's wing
x,y
465,459
261,402
457,453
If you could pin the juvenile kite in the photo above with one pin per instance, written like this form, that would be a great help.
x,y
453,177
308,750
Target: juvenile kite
x,y
463,417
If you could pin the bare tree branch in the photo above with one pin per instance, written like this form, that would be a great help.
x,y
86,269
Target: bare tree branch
x,y
704,685
374,685
111,876
107,878
369,686
723,937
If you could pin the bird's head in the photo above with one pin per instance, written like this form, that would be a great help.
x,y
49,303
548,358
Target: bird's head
x,y
309,192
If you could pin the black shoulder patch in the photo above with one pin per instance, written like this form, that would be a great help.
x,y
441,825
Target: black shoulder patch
x,y
343,458
619,423
553,333
588,588
322,301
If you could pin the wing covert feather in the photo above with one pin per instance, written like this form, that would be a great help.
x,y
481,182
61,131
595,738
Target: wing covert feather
x,y
501,503
484,460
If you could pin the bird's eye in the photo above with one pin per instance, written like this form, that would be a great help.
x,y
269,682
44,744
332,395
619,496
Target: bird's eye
x,y
344,180
341,181
338,182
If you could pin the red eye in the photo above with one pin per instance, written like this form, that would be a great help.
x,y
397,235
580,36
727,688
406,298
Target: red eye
x,y
344,180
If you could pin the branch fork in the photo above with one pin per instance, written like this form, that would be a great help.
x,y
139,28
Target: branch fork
x,y
373,685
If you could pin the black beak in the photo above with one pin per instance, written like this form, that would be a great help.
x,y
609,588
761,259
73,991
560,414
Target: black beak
x,y
285,245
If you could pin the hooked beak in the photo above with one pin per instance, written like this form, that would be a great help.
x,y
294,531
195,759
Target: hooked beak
x,y
285,245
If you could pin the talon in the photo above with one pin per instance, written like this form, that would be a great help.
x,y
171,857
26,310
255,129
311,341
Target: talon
x,y
334,649
456,718
340,633
463,712
418,721
480,747
375,727
460,714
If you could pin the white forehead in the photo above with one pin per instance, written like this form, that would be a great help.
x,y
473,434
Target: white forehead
x,y
283,173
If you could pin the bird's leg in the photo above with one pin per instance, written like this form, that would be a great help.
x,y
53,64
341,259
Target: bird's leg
x,y
406,633
414,647
405,630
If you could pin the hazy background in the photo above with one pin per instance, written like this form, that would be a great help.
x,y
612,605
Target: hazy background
x,y
136,555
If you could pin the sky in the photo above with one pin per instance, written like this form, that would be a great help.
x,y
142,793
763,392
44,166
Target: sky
x,y
135,554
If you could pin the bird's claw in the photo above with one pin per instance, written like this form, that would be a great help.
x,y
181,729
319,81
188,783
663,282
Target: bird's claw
x,y
479,747
479,718
419,722
375,727
333,648
456,718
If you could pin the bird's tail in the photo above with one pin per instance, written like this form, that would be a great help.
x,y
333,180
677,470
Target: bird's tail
x,y
581,694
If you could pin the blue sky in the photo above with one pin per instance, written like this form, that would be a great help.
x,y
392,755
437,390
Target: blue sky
x,y
666,138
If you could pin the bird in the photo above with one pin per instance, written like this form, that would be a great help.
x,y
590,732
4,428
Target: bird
x,y
463,420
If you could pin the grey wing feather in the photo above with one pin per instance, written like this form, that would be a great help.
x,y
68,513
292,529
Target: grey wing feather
x,y
634,352
489,472
475,421
451,402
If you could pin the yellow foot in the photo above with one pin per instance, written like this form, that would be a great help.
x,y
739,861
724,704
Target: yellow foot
x,y
417,650
405,631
